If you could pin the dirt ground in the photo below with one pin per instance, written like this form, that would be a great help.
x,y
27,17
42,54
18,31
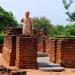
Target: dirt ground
x,y
37,72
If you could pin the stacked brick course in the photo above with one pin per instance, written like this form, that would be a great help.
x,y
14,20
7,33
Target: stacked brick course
x,y
20,50
14,31
51,50
68,52
42,45
9,46
58,54
64,52
26,52
9,50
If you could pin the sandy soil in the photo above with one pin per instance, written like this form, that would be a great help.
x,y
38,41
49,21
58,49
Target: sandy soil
x,y
37,72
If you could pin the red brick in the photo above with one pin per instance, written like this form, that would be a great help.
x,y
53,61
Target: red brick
x,y
26,52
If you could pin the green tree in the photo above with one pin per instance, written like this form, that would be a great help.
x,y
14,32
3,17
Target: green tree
x,y
71,15
43,24
70,30
7,19
58,31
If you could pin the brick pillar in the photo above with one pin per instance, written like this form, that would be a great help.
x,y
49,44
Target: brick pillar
x,y
26,52
52,51
9,49
59,51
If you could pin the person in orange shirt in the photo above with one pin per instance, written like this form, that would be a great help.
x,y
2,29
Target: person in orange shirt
x,y
27,24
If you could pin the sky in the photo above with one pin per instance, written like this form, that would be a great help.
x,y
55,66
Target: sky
x,y
52,9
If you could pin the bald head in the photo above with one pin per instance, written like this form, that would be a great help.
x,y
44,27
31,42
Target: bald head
x,y
27,13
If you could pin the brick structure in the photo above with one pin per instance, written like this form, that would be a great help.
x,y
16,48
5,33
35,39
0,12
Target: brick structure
x,y
58,50
42,45
20,50
41,40
26,52
62,51
68,53
14,31
9,46
9,49
51,50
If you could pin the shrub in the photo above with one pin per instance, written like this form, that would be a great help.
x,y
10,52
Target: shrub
x,y
1,39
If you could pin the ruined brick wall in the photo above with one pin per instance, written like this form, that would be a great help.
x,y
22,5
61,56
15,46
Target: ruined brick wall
x,y
9,49
43,45
68,52
51,50
14,31
21,51
63,52
9,46
26,52
40,46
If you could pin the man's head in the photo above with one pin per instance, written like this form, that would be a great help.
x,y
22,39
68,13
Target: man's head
x,y
27,13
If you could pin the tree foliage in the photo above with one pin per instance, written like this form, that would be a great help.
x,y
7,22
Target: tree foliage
x,y
58,31
42,24
7,19
71,15
67,4
64,31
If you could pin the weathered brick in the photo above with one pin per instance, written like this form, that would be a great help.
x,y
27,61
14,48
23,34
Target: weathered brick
x,y
64,52
26,52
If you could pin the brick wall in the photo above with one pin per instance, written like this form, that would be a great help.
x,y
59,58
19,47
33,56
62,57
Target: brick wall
x,y
6,48
20,50
42,45
9,50
9,47
51,50
26,52
14,31
63,52
39,34
68,52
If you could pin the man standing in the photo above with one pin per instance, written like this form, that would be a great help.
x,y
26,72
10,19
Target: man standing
x,y
27,24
